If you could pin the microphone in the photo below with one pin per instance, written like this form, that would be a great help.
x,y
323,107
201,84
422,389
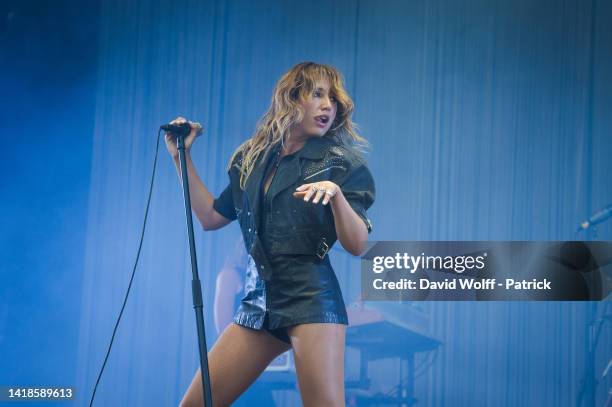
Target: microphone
x,y
180,129
597,218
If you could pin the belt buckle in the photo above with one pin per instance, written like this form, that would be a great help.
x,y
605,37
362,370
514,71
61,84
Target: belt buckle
x,y
322,249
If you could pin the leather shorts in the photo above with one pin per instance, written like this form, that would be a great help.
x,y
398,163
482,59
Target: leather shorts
x,y
299,290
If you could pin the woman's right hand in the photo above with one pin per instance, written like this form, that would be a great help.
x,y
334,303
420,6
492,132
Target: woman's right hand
x,y
196,130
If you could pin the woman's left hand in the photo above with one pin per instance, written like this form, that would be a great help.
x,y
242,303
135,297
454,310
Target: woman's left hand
x,y
324,189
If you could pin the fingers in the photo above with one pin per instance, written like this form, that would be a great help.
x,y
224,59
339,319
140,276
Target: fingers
x,y
308,191
328,195
194,125
178,120
196,130
197,127
318,196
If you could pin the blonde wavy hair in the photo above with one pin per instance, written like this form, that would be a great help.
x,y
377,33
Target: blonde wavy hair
x,y
285,110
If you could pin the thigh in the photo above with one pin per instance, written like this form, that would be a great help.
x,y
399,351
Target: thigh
x,y
235,361
319,361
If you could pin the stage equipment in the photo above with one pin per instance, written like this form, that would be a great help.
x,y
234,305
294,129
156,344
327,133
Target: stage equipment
x,y
381,330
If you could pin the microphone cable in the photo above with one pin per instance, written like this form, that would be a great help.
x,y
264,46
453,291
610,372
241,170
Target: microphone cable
x,y
144,225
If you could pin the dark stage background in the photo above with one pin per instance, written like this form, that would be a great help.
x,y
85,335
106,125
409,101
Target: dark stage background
x,y
489,120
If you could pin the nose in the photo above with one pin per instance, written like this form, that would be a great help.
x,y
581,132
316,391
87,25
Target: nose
x,y
326,103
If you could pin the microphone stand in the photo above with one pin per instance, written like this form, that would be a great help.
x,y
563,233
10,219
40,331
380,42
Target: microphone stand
x,y
196,288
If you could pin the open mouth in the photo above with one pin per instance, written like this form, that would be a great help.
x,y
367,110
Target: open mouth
x,y
322,119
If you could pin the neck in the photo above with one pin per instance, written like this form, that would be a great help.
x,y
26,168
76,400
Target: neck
x,y
293,144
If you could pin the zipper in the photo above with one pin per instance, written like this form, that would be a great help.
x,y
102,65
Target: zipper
x,y
323,170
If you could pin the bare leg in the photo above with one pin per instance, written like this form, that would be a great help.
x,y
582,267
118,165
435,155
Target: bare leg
x,y
235,361
319,361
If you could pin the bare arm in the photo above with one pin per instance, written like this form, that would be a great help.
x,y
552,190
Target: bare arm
x,y
201,199
352,232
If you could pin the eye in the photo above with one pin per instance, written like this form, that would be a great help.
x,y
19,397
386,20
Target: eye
x,y
317,93
333,99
